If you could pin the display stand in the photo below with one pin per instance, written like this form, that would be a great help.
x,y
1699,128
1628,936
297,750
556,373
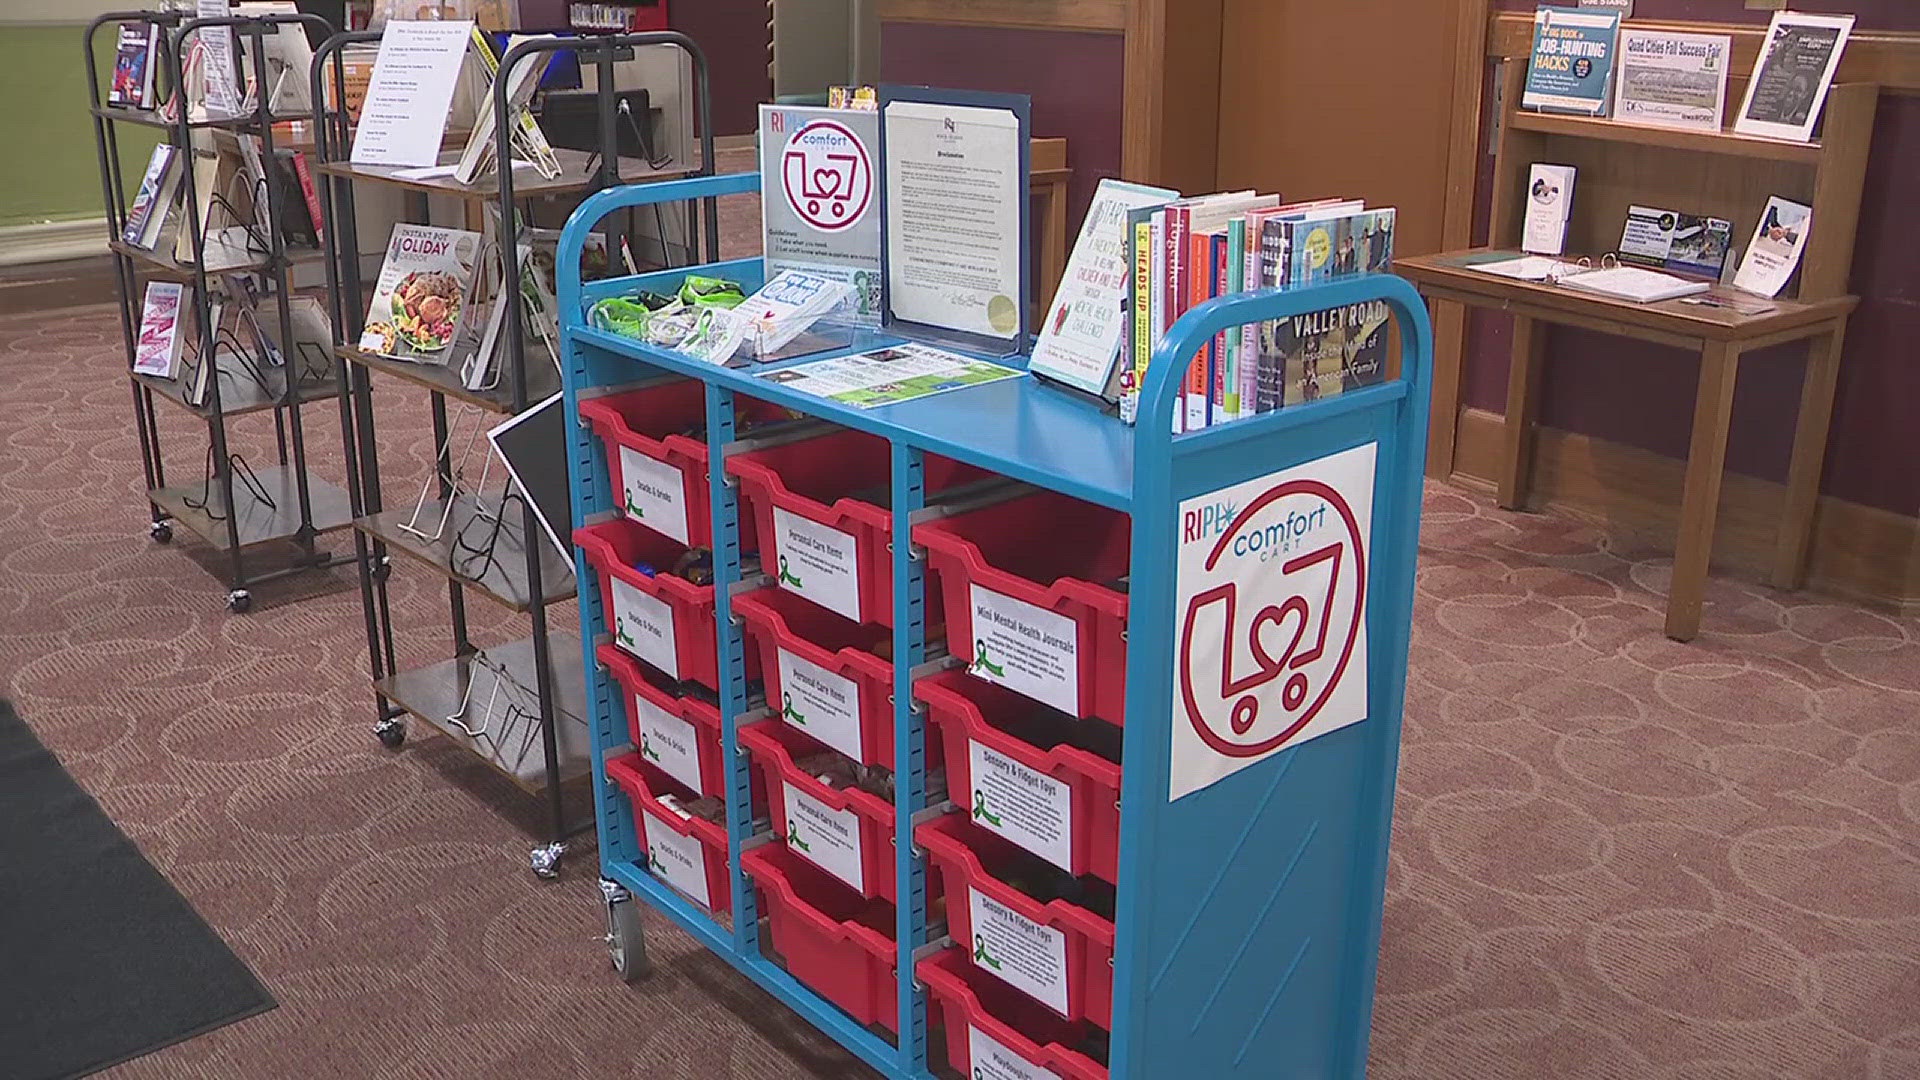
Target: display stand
x,y
1621,165
1248,912
234,506
506,704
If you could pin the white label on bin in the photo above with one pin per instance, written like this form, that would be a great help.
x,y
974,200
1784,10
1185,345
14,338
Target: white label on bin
x,y
829,838
668,741
1027,648
1269,633
817,561
820,703
1027,807
680,861
1019,951
993,1061
655,494
643,625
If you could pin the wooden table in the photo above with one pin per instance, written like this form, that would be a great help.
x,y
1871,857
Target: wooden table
x,y
1720,335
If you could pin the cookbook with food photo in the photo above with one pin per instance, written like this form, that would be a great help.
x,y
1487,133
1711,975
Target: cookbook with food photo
x,y
420,304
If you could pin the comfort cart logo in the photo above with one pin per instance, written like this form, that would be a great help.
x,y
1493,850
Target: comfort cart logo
x,y
1270,619
826,175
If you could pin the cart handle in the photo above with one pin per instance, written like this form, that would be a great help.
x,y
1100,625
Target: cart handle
x,y
1190,333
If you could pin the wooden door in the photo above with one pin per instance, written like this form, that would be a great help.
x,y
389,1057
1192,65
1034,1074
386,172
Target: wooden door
x,y
1355,98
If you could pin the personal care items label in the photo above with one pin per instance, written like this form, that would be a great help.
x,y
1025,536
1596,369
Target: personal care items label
x,y
1027,807
820,703
1025,647
1018,950
827,837
817,561
643,625
654,493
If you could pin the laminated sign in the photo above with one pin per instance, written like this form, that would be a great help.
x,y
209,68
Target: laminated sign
x,y
1269,615
820,212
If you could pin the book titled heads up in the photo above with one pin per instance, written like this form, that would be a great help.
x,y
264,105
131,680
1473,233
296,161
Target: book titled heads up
x,y
1571,69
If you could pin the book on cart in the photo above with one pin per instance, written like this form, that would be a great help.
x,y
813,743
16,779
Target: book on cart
x,y
420,301
153,201
133,64
157,352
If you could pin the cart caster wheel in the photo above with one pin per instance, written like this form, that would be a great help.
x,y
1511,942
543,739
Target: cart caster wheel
x,y
626,939
383,569
392,733
161,532
239,601
546,860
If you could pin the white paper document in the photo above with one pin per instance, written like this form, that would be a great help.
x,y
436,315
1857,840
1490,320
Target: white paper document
x,y
1774,254
405,112
1672,80
954,194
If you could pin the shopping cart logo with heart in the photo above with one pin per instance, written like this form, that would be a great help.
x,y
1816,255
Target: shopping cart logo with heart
x,y
827,176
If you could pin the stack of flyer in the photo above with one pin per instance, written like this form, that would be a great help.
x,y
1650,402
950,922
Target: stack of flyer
x,y
1191,250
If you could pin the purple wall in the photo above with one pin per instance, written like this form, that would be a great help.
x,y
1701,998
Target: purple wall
x,y
1074,78
1642,395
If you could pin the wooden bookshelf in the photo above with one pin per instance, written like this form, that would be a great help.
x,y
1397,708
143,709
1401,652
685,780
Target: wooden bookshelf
x,y
1723,174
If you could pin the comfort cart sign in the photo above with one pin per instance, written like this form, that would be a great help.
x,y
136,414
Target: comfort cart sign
x,y
1270,638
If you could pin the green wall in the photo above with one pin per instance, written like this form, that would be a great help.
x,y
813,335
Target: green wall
x,y
48,166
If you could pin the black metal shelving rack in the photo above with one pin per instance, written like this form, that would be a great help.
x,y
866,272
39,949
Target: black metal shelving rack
x,y
235,507
441,693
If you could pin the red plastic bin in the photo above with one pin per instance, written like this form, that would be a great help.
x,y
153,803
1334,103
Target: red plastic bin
x,y
839,692
838,541
1067,798
831,938
658,473
983,1014
845,831
1071,947
686,852
1037,559
665,620
678,735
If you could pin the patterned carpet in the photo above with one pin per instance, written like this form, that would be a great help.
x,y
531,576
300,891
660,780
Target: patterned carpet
x,y
1614,856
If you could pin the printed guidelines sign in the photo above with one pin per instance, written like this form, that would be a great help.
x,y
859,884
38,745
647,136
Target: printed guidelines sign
x,y
1269,615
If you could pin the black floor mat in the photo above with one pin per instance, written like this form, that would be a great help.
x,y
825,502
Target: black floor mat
x,y
101,959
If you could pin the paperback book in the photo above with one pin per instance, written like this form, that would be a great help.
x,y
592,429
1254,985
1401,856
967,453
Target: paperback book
x,y
420,302
133,65
1571,68
158,186
157,352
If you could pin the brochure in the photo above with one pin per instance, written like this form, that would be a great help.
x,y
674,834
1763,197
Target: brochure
x,y
1795,70
1549,206
404,113
1572,65
1684,243
1079,343
785,306
1774,254
819,208
1673,80
889,376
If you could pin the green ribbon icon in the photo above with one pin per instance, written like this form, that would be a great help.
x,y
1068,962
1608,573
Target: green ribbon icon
x,y
787,576
654,863
980,954
793,838
980,808
647,750
788,712
633,508
620,635
980,660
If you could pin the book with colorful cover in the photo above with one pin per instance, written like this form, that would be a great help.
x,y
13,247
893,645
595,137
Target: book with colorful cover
x,y
155,194
157,352
420,302
1140,340
1571,67
133,64
1236,282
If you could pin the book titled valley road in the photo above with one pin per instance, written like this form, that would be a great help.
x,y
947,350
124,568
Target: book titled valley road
x,y
1571,69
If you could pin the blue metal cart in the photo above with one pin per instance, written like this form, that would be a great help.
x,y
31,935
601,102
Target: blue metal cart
x,y
1249,904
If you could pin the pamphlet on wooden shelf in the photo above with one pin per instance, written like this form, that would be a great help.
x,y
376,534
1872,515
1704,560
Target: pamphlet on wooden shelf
x,y
1571,67
1774,252
1549,207
1683,243
1795,71
1672,79
820,209
157,352
133,64
420,302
